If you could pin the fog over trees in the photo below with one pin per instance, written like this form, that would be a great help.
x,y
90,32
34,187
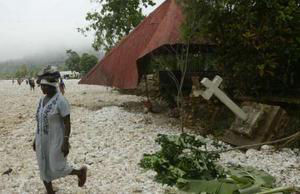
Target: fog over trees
x,y
55,57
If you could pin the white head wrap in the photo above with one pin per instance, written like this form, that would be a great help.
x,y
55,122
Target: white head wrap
x,y
45,82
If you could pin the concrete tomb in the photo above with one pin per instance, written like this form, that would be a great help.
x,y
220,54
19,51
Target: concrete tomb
x,y
255,122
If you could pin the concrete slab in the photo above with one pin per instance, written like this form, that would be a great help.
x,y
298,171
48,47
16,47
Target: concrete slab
x,y
264,123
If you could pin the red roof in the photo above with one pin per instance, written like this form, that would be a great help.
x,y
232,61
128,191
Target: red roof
x,y
119,67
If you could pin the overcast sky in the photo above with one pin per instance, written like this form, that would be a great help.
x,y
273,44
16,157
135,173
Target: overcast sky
x,y
29,27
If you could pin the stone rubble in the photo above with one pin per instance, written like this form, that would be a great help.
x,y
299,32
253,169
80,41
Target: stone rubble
x,y
109,140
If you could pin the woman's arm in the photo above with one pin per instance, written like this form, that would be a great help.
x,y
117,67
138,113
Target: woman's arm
x,y
33,144
67,124
66,146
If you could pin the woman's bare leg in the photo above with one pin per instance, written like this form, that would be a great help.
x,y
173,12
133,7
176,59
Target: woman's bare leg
x,y
49,187
81,174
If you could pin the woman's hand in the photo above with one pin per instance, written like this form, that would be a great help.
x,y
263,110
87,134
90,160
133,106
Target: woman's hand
x,y
65,147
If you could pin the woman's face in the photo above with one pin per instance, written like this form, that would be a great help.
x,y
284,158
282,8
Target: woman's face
x,y
46,89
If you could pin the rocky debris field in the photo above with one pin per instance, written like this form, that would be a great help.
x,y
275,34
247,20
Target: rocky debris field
x,y
110,139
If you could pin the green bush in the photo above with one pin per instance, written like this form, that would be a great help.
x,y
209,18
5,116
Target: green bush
x,y
258,41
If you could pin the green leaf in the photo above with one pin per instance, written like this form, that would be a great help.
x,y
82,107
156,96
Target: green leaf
x,y
212,186
257,177
250,190
182,163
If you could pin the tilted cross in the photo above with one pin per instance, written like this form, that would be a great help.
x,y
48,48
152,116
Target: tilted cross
x,y
213,89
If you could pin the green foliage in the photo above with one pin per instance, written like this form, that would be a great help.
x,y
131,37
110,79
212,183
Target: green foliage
x,y
73,60
208,186
22,71
5,75
246,176
183,161
258,41
116,19
242,180
87,62
195,62
181,157
81,64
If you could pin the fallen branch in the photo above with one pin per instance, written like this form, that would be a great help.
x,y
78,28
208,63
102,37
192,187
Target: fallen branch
x,y
289,139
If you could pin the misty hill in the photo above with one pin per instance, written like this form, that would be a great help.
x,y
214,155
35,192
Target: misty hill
x,y
39,60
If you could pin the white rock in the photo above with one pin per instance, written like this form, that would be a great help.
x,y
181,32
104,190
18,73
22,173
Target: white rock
x,y
110,141
267,147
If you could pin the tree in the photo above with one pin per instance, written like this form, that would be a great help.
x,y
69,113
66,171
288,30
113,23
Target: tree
x,y
116,19
87,62
22,71
257,41
73,61
81,64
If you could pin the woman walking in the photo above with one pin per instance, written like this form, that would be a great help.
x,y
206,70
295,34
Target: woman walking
x,y
51,142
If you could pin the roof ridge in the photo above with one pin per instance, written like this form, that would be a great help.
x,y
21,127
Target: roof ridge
x,y
137,27
125,38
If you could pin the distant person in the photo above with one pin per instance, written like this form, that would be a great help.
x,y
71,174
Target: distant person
x,y
62,86
51,142
31,84
13,81
19,81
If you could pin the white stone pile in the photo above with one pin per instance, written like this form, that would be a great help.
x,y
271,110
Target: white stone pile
x,y
283,164
109,140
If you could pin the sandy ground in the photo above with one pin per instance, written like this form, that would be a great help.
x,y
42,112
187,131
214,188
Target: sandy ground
x,y
110,133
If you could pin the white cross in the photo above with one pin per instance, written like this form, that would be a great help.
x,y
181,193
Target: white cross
x,y
213,88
